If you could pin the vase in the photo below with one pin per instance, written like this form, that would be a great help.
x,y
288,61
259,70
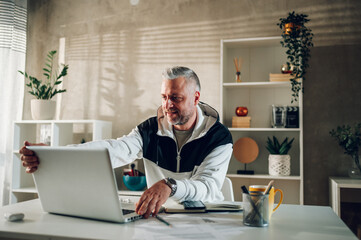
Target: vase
x,y
42,109
355,171
279,165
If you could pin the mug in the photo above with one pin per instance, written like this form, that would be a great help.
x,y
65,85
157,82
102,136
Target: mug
x,y
272,193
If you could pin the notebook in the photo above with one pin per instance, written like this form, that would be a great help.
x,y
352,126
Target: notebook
x,y
80,182
171,206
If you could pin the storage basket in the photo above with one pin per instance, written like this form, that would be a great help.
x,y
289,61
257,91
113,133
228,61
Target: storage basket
x,y
279,165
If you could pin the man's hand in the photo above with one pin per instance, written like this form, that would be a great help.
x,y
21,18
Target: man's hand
x,y
28,157
152,199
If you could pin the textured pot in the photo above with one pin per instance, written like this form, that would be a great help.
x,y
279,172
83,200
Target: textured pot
x,y
42,109
279,165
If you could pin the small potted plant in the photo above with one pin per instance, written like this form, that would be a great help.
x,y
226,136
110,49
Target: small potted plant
x,y
279,162
297,38
350,139
43,108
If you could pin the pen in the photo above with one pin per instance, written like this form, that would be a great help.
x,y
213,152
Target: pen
x,y
163,221
244,189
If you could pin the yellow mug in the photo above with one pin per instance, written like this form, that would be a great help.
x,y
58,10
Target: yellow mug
x,y
271,199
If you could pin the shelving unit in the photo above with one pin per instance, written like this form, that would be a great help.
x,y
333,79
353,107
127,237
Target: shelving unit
x,y
60,133
261,56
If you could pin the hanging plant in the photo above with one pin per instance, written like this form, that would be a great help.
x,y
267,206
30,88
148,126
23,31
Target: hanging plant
x,y
297,38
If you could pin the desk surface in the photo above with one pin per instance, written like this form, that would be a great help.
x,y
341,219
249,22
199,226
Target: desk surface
x,y
288,222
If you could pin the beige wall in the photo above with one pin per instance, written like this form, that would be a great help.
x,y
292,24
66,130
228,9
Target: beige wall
x,y
116,53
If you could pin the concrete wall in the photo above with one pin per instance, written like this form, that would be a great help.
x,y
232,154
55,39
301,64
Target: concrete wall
x,y
117,51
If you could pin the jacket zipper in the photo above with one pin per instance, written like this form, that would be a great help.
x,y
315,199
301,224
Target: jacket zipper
x,y
178,152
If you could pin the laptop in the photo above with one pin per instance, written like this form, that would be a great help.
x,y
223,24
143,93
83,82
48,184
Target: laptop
x,y
80,182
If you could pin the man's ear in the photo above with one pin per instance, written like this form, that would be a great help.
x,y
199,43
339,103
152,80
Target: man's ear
x,y
197,96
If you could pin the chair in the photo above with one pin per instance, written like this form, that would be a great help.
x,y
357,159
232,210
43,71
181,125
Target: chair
x,y
227,190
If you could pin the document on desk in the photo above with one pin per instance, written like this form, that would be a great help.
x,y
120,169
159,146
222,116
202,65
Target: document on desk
x,y
190,226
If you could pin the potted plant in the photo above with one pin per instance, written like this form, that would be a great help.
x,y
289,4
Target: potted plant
x,y
350,139
43,108
279,162
297,38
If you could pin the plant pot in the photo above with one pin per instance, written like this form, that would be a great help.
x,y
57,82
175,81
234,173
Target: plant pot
x,y
289,27
42,109
279,165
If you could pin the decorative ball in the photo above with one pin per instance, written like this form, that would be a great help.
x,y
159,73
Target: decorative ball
x,y
287,69
241,111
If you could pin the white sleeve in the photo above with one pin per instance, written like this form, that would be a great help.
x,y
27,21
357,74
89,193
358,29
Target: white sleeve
x,y
123,150
206,183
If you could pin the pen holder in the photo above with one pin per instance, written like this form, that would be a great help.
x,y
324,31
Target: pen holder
x,y
255,210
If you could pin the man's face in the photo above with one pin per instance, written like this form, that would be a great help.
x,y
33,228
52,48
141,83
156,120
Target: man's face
x,y
179,100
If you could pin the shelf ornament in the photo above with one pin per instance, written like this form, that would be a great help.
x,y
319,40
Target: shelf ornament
x,y
245,150
238,64
297,38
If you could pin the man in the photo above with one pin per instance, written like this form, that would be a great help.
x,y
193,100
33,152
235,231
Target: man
x,y
186,150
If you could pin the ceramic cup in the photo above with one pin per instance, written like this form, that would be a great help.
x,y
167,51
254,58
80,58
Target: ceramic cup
x,y
272,192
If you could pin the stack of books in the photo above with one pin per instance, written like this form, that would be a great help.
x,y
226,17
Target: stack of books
x,y
279,77
241,122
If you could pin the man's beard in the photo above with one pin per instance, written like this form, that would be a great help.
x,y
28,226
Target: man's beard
x,y
181,118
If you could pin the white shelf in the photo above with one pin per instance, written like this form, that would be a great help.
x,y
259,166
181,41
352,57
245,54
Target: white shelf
x,y
335,186
261,56
60,133
59,121
264,129
25,190
130,193
264,176
257,84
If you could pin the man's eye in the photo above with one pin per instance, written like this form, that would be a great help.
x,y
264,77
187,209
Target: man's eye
x,y
176,99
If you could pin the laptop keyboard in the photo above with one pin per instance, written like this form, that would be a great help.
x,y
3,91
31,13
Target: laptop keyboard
x,y
127,211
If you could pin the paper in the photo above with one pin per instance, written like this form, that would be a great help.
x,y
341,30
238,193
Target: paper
x,y
190,226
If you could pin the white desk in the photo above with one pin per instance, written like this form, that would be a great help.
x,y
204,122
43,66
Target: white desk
x,y
288,222
336,183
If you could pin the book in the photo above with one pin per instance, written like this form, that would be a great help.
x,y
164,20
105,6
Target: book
x,y
280,77
172,206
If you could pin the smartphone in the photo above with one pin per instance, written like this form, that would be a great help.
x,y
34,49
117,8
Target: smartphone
x,y
193,205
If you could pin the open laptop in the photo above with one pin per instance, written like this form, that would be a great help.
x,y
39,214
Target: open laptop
x,y
79,182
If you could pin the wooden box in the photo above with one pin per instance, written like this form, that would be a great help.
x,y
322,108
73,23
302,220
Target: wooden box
x,y
241,122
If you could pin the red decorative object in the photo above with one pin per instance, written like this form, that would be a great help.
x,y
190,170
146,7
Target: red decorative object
x,y
241,111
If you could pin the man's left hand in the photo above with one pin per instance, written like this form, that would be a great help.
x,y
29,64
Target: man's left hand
x,y
152,199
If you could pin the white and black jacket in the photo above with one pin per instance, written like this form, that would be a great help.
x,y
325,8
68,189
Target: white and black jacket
x,y
199,167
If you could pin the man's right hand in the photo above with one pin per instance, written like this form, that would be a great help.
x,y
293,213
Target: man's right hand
x,y
28,157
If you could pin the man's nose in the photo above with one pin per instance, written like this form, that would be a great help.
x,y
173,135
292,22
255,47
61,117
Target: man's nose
x,y
168,103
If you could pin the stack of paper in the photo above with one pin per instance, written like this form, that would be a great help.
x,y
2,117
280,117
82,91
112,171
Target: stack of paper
x,y
241,122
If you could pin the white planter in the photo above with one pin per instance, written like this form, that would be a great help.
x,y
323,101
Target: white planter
x,y
42,109
279,165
